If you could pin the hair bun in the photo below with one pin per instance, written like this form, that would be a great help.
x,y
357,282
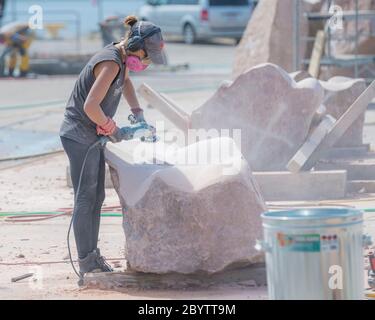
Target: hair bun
x,y
130,20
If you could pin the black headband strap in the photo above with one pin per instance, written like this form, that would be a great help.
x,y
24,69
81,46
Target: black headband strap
x,y
148,34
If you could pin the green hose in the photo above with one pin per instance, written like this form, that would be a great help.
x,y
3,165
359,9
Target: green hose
x,y
23,213
7,214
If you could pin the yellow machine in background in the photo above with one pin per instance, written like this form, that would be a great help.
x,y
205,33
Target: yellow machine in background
x,y
17,38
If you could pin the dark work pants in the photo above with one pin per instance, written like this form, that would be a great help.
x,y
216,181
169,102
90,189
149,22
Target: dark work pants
x,y
91,195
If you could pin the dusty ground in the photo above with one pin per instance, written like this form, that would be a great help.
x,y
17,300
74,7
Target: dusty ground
x,y
25,247
40,247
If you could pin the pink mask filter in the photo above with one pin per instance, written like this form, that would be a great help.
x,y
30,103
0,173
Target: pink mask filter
x,y
135,64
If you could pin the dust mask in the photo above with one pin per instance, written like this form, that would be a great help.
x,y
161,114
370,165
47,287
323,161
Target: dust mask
x,y
135,64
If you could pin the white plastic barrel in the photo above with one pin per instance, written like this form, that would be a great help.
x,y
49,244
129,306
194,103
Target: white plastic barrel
x,y
314,254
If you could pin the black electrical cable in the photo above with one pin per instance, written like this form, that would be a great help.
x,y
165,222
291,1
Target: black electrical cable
x,y
80,276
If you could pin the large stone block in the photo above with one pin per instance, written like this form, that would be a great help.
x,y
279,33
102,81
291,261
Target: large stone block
x,y
188,217
339,94
268,36
273,112
314,185
312,142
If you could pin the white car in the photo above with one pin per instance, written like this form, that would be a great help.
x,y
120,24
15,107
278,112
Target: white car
x,y
199,19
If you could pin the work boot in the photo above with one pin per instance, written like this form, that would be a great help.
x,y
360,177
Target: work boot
x,y
93,262
89,264
103,265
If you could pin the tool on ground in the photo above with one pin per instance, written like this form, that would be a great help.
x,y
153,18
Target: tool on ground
x,y
141,130
24,276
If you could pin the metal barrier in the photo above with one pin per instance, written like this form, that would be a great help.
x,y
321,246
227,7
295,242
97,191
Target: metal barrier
x,y
356,60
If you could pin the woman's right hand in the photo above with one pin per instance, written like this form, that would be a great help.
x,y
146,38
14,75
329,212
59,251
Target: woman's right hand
x,y
107,129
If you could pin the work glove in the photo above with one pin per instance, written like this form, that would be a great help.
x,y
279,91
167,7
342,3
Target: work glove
x,y
107,129
138,114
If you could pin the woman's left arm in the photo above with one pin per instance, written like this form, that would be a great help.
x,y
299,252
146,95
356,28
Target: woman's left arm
x,y
129,92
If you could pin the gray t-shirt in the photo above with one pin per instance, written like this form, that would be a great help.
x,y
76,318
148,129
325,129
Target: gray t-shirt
x,y
76,124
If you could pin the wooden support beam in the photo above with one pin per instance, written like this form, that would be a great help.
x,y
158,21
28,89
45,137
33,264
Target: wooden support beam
x,y
311,144
317,53
340,127
180,119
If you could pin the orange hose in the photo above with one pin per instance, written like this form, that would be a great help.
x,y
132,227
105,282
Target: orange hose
x,y
47,262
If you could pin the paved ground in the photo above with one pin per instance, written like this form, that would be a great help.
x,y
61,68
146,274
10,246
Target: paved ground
x,y
199,53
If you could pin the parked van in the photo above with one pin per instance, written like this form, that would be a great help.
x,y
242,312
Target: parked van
x,y
199,19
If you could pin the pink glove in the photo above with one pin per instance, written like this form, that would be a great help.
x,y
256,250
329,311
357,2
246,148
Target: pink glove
x,y
100,131
107,129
